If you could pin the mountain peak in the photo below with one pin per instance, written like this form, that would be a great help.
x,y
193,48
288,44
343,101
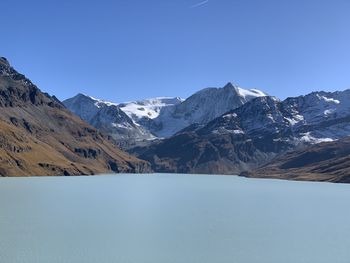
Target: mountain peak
x,y
17,90
4,61
245,93
230,85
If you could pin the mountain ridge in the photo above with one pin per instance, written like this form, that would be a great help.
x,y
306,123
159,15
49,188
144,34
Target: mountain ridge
x,y
164,116
252,135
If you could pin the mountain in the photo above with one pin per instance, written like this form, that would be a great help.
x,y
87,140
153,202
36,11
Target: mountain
x,y
39,136
328,161
159,117
109,118
252,135
231,130
228,144
201,107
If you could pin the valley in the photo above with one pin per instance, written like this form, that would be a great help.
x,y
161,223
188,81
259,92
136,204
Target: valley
x,y
228,130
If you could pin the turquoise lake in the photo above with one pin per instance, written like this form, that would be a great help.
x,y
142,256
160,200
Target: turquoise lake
x,y
162,218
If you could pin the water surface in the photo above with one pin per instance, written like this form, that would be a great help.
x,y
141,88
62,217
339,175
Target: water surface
x,y
172,218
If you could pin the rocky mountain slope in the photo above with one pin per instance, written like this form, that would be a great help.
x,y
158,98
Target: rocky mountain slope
x,y
226,145
329,161
39,136
109,118
253,134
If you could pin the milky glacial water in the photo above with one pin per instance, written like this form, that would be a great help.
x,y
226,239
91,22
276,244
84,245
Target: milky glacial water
x,y
172,218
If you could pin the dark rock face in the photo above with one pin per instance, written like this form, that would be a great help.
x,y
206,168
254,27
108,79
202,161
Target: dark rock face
x,y
4,61
88,153
17,90
39,136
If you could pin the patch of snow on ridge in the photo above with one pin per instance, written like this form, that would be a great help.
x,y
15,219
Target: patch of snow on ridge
x,y
229,115
237,131
328,112
328,99
99,102
122,125
310,139
224,131
296,119
250,93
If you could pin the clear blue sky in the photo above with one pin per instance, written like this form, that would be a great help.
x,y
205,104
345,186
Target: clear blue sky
x,y
133,49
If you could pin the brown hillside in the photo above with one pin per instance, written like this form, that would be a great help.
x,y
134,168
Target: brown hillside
x,y
39,136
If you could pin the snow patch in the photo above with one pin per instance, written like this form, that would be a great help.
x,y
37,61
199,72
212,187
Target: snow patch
x,y
230,115
310,139
296,118
237,131
99,103
250,93
149,108
328,112
331,100
225,131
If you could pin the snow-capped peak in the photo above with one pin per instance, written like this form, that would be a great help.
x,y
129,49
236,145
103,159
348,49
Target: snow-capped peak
x,y
202,107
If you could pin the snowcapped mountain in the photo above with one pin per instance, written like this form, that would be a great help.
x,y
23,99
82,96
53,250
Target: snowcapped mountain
x,y
313,118
85,106
321,115
161,116
201,107
109,118
253,134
